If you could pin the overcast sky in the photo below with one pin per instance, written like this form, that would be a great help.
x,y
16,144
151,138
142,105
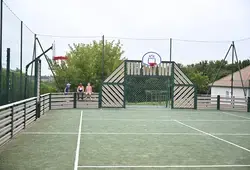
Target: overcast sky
x,y
209,20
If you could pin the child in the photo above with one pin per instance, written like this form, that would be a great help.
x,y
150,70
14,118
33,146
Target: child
x,y
80,89
89,91
67,88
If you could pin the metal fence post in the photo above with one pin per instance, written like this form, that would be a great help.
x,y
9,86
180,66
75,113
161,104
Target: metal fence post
x,y
218,102
21,62
24,115
195,97
74,100
8,76
12,121
248,104
50,101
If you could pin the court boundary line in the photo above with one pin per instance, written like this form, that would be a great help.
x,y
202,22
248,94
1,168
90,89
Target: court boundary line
x,y
160,166
78,144
135,133
231,143
231,114
170,120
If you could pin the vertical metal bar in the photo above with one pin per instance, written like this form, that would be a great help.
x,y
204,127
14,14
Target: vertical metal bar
x,y
24,115
172,85
8,76
218,102
1,45
103,51
50,101
35,78
232,75
125,84
12,121
21,62
74,104
195,97
248,104
170,50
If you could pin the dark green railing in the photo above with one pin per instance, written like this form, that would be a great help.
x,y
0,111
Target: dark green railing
x,y
17,116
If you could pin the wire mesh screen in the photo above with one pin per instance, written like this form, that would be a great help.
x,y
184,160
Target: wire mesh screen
x,y
147,90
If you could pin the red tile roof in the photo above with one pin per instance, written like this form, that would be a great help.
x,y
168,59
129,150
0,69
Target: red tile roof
x,y
226,81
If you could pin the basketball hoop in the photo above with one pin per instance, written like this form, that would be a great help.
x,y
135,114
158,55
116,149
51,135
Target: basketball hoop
x,y
152,64
56,58
60,58
151,59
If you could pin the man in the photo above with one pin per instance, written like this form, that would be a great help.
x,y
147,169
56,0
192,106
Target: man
x,y
89,91
80,90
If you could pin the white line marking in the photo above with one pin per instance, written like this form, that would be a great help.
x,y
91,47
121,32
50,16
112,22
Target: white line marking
x,y
136,133
248,118
50,133
213,136
166,120
164,166
78,143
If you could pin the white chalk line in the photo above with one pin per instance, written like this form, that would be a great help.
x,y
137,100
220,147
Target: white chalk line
x,y
136,133
161,166
167,120
209,134
231,114
78,144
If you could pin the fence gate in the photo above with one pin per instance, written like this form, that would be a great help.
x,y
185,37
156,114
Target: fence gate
x,y
184,91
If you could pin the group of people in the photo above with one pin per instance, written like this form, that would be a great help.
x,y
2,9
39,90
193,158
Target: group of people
x,y
80,90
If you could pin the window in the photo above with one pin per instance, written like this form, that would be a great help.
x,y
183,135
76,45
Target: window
x,y
227,93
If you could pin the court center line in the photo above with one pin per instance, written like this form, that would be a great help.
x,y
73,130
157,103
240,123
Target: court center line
x,y
248,118
135,133
231,143
78,143
163,166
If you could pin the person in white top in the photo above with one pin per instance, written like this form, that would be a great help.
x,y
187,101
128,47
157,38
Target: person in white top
x,y
80,90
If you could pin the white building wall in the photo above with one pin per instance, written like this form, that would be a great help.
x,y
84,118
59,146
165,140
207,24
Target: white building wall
x,y
226,92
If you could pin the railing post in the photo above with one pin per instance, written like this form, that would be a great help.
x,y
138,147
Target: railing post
x,y
38,108
74,100
195,98
43,103
24,115
248,104
12,121
50,101
99,100
218,102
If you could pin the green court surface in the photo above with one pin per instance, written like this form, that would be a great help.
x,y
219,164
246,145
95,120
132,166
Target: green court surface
x,y
142,138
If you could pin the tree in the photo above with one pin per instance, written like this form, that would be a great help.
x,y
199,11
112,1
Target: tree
x,y
84,64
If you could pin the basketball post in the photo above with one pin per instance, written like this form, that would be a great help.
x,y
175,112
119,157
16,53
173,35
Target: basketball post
x,y
170,50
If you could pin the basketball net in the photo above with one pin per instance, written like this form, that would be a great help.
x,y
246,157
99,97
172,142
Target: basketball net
x,y
152,64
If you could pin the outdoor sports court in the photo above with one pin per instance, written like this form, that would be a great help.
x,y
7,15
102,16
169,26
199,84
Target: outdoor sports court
x,y
143,138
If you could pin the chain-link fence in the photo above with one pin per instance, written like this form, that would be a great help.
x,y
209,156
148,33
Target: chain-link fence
x,y
19,40
147,90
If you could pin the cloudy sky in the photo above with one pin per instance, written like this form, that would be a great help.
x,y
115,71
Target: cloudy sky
x,y
134,22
